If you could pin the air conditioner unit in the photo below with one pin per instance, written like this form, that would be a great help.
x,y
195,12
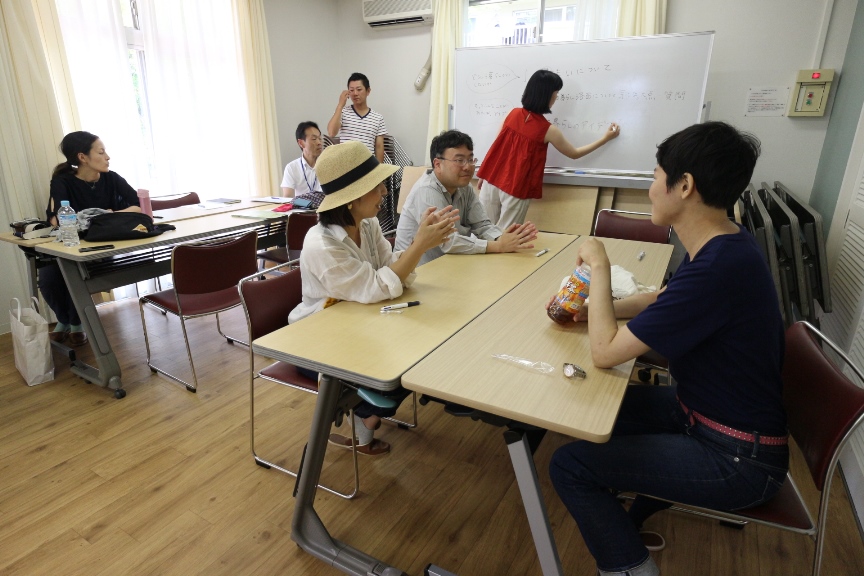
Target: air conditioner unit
x,y
384,13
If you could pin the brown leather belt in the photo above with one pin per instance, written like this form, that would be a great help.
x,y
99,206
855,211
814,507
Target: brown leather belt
x,y
723,429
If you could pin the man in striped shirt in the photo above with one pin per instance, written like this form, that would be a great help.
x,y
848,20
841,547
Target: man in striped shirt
x,y
356,121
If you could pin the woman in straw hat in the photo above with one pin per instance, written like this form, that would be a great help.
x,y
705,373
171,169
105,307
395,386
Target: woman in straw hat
x,y
346,256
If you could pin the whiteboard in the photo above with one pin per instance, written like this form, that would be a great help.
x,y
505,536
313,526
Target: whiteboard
x,y
652,86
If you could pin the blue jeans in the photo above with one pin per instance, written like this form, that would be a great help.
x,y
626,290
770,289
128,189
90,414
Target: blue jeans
x,y
654,450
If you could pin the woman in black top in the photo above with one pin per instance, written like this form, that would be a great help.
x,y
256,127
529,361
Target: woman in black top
x,y
85,180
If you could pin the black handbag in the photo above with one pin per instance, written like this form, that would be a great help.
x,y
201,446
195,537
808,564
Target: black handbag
x,y
122,226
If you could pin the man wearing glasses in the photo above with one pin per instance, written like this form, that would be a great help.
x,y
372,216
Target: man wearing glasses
x,y
448,183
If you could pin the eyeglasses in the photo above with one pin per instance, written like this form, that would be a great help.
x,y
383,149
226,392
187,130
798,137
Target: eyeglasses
x,y
461,162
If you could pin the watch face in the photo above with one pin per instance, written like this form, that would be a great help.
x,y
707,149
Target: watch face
x,y
573,371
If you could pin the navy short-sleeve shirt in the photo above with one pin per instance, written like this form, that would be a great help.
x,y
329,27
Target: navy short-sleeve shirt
x,y
718,322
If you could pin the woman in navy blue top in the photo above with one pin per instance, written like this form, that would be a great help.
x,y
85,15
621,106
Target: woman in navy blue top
x,y
717,438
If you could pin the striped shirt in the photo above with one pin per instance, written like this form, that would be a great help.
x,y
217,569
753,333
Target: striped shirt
x,y
362,128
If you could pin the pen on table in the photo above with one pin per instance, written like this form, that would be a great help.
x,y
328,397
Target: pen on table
x,y
541,252
402,305
640,256
160,217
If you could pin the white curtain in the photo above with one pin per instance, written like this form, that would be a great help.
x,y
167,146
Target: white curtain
x,y
446,37
29,133
642,17
258,71
198,106
98,63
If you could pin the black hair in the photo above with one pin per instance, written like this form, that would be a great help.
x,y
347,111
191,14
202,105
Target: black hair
x,y
538,92
718,157
358,76
340,215
73,144
300,133
449,139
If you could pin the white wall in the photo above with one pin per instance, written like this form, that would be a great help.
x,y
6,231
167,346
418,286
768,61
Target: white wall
x,y
315,46
303,49
391,58
757,43
765,43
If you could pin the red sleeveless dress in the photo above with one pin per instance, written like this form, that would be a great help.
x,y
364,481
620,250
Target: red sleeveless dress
x,y
516,160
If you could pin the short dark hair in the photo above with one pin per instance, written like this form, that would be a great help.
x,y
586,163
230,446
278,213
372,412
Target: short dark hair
x,y
358,76
719,157
449,139
300,133
538,92
340,215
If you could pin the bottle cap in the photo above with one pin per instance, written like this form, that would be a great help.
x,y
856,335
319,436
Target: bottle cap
x,y
64,203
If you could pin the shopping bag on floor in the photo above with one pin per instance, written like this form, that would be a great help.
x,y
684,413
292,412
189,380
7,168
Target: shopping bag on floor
x,y
30,343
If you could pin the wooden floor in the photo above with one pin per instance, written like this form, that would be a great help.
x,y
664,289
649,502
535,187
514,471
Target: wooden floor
x,y
162,482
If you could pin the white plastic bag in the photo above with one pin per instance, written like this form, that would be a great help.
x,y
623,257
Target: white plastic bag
x,y
30,343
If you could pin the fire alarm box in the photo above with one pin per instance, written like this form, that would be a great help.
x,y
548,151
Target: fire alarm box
x,y
810,95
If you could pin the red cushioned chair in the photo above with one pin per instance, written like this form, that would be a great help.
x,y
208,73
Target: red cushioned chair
x,y
184,200
295,233
205,282
267,304
824,409
630,226
635,226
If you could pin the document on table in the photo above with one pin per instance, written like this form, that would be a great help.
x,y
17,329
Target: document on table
x,y
273,199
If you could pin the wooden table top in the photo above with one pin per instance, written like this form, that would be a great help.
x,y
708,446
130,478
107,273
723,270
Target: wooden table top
x,y
463,370
190,211
359,344
187,230
12,239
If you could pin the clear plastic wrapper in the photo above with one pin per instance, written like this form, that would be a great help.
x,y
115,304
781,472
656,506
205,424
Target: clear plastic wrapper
x,y
539,367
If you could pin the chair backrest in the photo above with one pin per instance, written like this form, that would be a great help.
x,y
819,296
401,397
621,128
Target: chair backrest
x,y
185,200
823,406
298,224
213,266
268,302
410,175
630,226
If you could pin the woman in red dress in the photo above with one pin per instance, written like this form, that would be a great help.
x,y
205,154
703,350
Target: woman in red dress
x,y
512,171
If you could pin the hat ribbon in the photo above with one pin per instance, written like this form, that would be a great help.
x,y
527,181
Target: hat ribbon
x,y
350,177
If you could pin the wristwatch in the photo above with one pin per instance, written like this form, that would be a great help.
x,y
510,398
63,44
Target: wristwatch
x,y
573,371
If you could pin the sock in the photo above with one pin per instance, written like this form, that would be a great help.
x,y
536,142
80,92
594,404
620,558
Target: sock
x,y
60,327
364,435
76,328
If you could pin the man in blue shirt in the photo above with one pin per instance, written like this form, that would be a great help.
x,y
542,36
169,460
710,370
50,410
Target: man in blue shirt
x,y
717,438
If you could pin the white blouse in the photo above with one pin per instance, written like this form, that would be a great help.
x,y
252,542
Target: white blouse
x,y
334,267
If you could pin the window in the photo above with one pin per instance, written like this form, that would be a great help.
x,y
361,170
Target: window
x,y
138,73
497,22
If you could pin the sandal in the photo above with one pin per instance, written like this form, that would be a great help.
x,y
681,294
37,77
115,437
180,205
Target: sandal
x,y
374,448
653,541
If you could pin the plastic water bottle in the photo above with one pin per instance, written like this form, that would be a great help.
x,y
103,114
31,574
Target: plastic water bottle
x,y
571,297
68,224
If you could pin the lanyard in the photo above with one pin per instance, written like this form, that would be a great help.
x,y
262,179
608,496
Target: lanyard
x,y
314,182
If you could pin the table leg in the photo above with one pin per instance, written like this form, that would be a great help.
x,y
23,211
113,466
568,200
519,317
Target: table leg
x,y
532,499
307,530
107,374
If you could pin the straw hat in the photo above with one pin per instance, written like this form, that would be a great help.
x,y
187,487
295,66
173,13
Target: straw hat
x,y
347,172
